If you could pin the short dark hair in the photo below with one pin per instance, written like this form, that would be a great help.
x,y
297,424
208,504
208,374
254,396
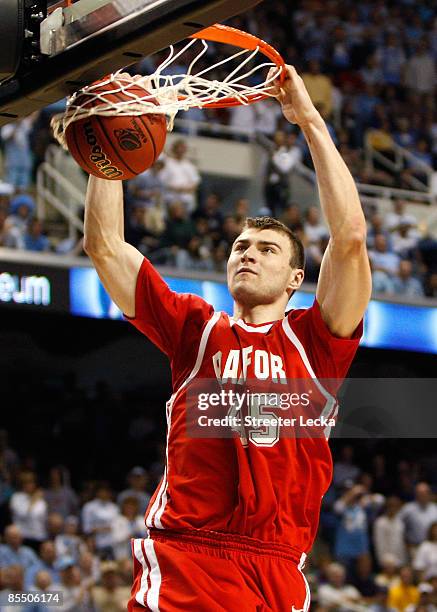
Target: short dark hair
x,y
297,259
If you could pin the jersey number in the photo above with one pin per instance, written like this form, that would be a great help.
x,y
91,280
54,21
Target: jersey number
x,y
263,435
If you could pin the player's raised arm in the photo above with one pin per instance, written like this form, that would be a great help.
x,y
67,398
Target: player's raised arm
x,y
117,262
344,286
170,320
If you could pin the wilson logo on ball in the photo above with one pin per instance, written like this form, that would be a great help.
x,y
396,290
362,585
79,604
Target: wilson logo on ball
x,y
128,139
97,156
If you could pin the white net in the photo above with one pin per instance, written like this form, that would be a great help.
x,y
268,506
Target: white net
x,y
167,94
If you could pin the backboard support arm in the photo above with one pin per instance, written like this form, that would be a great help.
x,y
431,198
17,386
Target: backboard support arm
x,y
112,48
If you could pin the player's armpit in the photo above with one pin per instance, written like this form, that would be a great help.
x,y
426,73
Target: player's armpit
x,y
172,321
344,287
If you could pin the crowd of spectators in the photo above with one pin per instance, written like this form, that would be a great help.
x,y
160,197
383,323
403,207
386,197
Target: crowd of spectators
x,y
370,70
72,431
167,221
376,549
403,260
75,546
19,228
377,545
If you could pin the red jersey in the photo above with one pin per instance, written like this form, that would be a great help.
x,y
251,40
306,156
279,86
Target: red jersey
x,y
269,492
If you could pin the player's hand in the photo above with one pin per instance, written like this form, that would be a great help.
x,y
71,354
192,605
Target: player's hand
x,y
294,98
129,77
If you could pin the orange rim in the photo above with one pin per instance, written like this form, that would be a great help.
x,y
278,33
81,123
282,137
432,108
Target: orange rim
x,y
60,4
238,38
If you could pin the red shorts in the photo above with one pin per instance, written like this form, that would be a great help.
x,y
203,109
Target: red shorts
x,y
203,571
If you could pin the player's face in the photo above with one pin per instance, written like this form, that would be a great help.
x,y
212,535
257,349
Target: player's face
x,y
259,269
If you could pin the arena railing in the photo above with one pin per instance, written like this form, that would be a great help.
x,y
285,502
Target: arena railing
x,y
400,162
61,190
191,127
50,184
378,191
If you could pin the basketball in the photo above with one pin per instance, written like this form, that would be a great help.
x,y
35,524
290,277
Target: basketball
x,y
116,147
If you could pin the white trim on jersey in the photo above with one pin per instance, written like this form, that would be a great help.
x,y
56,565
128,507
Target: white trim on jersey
x,y
158,507
331,402
161,498
154,574
261,329
150,522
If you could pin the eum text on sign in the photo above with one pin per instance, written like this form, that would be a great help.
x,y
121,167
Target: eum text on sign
x,y
23,289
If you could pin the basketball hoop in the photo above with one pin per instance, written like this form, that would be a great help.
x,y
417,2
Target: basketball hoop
x,y
169,93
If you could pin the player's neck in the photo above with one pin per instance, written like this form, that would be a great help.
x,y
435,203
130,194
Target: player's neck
x,y
257,315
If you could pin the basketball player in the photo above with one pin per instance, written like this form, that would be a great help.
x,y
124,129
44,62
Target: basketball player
x,y
232,520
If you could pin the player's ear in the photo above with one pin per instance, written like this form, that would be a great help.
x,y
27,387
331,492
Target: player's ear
x,y
295,280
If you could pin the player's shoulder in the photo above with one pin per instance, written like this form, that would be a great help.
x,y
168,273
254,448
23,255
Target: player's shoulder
x,y
296,314
303,316
197,306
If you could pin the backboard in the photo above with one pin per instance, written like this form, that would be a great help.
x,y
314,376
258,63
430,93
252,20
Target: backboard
x,y
48,50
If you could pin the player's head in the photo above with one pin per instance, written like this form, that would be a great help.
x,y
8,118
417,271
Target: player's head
x,y
266,263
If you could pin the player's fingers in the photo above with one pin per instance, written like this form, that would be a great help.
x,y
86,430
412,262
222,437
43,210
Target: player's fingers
x,y
273,86
273,74
291,70
292,76
270,73
282,94
129,77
